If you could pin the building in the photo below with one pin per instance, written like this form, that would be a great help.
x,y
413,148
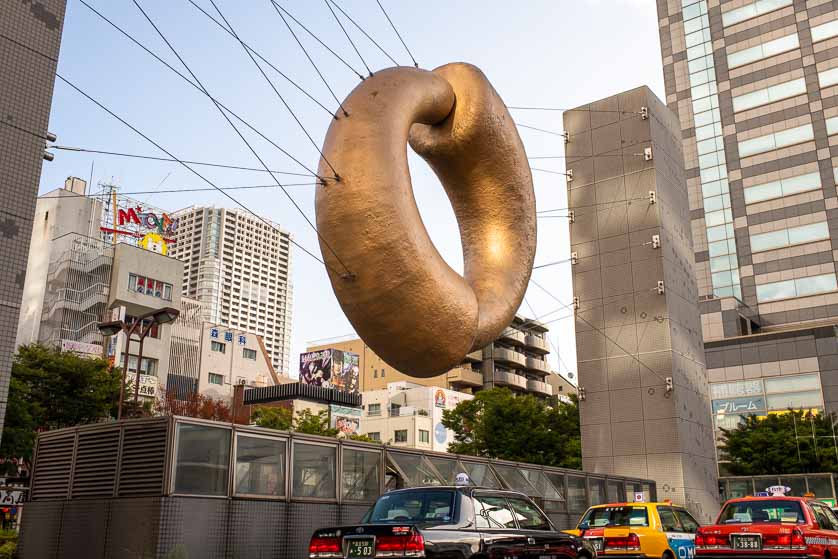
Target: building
x,y
517,360
239,268
28,61
232,357
562,388
642,380
410,415
753,84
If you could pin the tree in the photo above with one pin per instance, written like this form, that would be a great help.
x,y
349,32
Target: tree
x,y
498,424
789,443
195,405
273,417
51,389
314,424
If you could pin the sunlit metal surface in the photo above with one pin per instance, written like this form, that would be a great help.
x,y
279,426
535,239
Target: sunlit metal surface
x,y
404,301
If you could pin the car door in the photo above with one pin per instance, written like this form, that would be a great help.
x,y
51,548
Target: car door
x,y
680,542
542,539
498,530
686,538
826,534
833,538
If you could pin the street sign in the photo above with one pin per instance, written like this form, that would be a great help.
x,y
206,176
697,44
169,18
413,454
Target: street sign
x,y
638,497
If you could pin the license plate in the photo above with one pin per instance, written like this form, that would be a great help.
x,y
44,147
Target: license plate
x,y
597,543
746,542
360,547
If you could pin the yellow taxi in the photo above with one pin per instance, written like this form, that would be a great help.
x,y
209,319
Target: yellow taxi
x,y
639,530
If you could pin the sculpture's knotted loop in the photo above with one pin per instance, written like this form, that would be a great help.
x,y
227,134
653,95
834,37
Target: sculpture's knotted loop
x,y
404,301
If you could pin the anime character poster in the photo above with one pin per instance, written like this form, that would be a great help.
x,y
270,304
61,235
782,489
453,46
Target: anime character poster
x,y
316,367
349,373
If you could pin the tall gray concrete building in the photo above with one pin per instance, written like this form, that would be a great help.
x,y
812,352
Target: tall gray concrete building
x,y
26,89
642,382
755,86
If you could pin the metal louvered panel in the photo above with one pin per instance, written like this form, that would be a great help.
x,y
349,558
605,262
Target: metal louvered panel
x,y
143,464
51,478
94,473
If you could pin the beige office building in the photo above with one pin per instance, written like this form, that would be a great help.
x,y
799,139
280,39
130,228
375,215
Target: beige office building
x,y
516,360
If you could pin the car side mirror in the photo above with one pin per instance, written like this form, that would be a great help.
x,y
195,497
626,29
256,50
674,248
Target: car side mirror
x,y
584,525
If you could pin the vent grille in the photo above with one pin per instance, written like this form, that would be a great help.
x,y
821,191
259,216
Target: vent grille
x,y
51,478
95,472
143,460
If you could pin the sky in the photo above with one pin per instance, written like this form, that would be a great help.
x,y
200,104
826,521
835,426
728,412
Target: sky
x,y
537,53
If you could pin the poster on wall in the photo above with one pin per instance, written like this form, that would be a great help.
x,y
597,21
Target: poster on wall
x,y
347,378
345,419
330,368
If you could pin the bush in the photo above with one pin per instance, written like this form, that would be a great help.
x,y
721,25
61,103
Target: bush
x,y
8,549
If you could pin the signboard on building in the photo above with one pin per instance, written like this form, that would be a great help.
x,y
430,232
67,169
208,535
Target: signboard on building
x,y
345,419
330,368
82,348
148,228
148,385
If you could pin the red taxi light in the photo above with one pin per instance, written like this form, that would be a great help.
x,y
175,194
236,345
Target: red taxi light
x,y
791,540
704,540
797,540
405,545
623,543
321,546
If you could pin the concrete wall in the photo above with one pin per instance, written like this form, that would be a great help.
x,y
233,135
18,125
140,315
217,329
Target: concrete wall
x,y
630,338
232,364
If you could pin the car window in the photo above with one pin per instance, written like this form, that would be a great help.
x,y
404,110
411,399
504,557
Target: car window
x,y
413,506
616,516
493,511
831,515
688,523
824,521
528,515
761,510
669,521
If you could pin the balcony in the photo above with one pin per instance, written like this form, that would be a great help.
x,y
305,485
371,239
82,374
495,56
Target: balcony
x,y
512,336
475,356
536,344
504,378
539,387
537,365
465,376
509,356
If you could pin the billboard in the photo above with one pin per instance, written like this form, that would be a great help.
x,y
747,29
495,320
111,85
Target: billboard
x,y
345,419
330,368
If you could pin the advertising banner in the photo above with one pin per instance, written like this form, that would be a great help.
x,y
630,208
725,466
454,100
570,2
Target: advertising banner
x,y
83,348
345,419
330,368
148,385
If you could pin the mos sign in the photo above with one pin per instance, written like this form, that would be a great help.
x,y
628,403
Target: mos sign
x,y
154,231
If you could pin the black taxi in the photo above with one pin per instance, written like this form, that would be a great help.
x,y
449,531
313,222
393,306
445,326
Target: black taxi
x,y
450,522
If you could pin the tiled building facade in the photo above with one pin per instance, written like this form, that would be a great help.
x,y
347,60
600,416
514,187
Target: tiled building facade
x,y
753,83
642,381
26,88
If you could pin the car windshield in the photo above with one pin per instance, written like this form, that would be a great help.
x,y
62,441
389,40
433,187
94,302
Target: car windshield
x,y
746,512
413,506
616,516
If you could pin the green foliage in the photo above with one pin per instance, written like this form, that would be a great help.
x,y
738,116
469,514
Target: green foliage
x,y
314,424
50,389
272,417
8,550
363,438
498,424
788,443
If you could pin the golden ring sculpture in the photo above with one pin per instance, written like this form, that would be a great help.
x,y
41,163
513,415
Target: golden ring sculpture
x,y
404,301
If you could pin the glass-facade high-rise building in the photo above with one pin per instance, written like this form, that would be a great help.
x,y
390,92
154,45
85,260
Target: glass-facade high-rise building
x,y
755,86
239,268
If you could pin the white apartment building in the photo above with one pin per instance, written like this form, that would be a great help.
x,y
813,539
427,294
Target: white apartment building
x,y
410,415
239,268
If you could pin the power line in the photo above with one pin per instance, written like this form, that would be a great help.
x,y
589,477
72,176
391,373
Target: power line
x,y
361,29
348,37
415,64
316,69
262,58
281,98
573,110
540,130
230,122
548,171
201,163
196,173
24,130
565,261
188,189
190,82
592,205
606,336
316,38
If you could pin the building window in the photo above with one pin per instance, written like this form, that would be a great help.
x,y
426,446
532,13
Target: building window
x,y
383,370
776,140
424,436
376,436
374,409
154,331
800,287
782,187
249,354
789,237
150,286
219,347
215,378
375,373
752,9
400,436
769,95
824,31
765,50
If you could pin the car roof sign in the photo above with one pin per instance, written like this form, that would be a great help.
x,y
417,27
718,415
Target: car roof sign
x,y
778,490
